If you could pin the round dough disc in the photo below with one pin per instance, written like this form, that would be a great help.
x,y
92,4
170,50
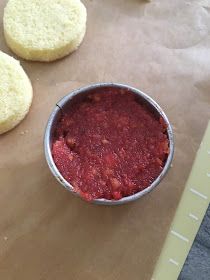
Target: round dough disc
x,y
44,30
15,93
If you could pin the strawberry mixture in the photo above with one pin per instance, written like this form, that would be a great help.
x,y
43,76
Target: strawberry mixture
x,y
108,145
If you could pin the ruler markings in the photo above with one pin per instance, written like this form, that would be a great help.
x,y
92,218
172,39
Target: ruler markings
x,y
201,172
173,262
193,217
180,236
198,193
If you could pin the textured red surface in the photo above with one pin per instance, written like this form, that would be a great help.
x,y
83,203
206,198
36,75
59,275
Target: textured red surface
x,y
110,146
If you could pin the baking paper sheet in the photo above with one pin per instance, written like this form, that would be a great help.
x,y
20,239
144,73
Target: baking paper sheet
x,y
160,47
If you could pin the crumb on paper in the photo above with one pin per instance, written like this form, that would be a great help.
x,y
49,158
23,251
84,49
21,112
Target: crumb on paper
x,y
5,238
174,127
24,132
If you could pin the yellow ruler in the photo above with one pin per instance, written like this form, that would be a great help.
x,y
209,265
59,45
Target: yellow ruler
x,y
188,218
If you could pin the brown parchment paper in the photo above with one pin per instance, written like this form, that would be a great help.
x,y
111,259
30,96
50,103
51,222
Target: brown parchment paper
x,y
160,47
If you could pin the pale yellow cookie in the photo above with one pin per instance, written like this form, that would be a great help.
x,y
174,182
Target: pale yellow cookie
x,y
15,93
44,30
